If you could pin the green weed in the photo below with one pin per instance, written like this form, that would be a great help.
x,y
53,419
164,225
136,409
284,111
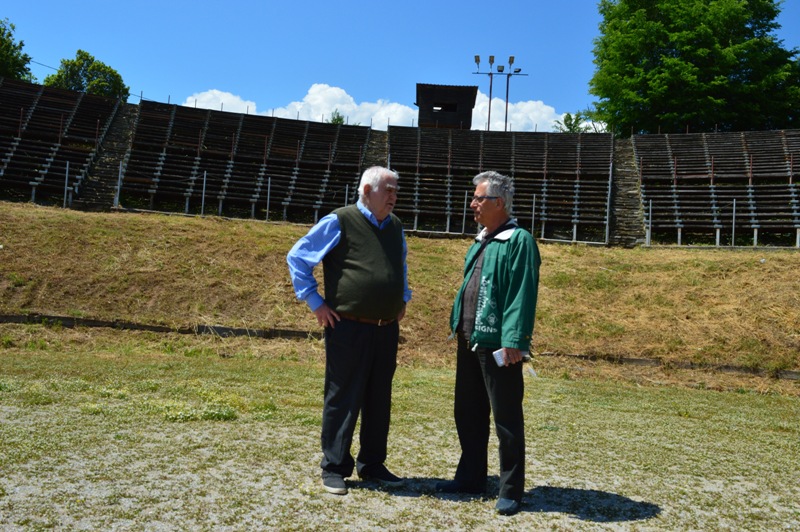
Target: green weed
x,y
17,280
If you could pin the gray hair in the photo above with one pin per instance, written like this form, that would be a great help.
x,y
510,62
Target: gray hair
x,y
372,176
498,185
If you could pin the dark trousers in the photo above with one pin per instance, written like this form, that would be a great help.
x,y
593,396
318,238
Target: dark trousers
x,y
483,387
360,361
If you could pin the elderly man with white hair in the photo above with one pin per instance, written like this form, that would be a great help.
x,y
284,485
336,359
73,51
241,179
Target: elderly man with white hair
x,y
363,250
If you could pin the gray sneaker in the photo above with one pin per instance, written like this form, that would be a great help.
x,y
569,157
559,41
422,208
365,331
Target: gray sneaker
x,y
333,483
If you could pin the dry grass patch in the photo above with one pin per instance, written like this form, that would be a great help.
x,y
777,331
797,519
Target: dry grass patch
x,y
706,306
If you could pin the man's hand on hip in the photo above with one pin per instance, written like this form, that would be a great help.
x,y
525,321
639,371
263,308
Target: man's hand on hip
x,y
326,316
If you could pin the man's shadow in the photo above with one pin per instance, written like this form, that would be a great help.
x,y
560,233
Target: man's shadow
x,y
586,505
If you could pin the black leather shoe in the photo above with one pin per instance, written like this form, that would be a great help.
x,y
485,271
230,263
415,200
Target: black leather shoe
x,y
507,506
381,474
454,486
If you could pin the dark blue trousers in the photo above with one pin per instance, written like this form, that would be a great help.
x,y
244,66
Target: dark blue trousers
x,y
360,361
482,387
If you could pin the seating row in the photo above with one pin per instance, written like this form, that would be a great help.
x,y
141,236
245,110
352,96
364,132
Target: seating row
x,y
720,181
50,137
743,158
583,156
702,207
241,158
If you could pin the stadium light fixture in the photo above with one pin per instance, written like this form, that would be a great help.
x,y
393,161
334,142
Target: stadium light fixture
x,y
501,69
491,84
516,72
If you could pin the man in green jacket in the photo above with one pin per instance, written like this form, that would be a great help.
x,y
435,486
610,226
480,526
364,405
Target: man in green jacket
x,y
492,318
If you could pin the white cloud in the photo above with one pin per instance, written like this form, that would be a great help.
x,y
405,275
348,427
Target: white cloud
x,y
321,100
220,101
382,114
522,116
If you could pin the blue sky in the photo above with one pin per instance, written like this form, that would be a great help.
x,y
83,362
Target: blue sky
x,y
305,58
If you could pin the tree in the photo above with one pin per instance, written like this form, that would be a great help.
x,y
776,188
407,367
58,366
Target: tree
x,y
702,65
572,124
86,74
339,118
13,62
336,117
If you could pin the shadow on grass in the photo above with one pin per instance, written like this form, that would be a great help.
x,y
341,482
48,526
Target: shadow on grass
x,y
588,505
417,487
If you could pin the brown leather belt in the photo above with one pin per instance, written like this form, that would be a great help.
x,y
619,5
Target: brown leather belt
x,y
379,323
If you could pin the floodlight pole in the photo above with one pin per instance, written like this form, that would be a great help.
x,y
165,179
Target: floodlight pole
x,y
508,79
491,73
515,72
489,117
491,80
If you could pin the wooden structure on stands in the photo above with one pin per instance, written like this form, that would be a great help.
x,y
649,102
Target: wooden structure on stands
x,y
445,106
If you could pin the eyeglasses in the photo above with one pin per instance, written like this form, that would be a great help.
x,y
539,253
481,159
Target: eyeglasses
x,y
479,199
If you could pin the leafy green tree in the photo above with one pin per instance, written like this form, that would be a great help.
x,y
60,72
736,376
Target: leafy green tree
x,y
339,118
336,117
572,124
702,65
13,62
86,74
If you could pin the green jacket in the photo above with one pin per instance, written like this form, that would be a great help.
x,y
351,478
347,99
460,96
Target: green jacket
x,y
508,290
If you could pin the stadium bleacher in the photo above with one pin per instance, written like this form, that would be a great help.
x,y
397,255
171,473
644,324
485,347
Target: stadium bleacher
x,y
49,137
732,187
725,188
562,181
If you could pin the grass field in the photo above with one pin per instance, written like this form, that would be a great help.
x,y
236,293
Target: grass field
x,y
115,429
106,429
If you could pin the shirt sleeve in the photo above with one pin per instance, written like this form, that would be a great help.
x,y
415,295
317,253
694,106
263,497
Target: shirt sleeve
x,y
406,289
307,253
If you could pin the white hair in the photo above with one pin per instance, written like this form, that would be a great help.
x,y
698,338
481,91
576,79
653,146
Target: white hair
x,y
372,176
497,185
